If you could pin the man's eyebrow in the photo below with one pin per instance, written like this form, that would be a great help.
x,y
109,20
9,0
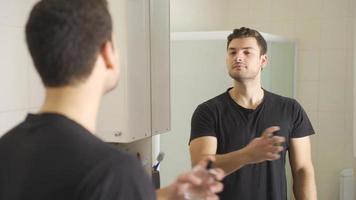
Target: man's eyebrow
x,y
244,48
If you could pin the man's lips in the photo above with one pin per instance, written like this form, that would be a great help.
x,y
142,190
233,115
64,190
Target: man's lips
x,y
239,65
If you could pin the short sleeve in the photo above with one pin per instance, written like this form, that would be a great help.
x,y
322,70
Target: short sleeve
x,y
202,123
301,124
117,179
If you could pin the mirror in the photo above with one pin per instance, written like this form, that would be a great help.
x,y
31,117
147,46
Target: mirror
x,y
324,32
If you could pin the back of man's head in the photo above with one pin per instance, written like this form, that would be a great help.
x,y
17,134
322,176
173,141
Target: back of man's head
x,y
244,32
64,38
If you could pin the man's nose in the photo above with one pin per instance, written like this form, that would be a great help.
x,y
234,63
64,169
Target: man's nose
x,y
238,57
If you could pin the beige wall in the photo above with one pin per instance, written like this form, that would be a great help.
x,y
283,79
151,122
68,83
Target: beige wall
x,y
19,81
323,29
198,15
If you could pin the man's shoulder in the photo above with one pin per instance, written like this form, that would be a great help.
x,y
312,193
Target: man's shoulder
x,y
11,135
215,102
55,133
276,98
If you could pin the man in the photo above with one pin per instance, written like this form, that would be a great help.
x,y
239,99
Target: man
x,y
53,154
245,127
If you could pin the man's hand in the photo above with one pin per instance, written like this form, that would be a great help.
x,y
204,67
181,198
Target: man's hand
x,y
199,183
266,147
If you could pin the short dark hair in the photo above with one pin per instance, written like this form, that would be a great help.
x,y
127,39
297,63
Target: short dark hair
x,y
244,32
64,38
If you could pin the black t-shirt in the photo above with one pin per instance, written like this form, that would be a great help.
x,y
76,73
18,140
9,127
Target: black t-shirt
x,y
235,126
50,157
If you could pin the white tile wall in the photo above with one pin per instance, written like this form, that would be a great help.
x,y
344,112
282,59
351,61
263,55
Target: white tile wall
x,y
259,9
308,33
331,9
331,96
333,134
333,64
196,15
350,33
327,181
348,138
308,10
331,159
306,94
258,25
308,65
282,9
12,13
351,9
17,81
349,82
282,27
334,33
237,13
14,71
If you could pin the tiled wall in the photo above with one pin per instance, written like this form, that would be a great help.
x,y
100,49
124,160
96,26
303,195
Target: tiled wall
x,y
198,15
325,33
19,82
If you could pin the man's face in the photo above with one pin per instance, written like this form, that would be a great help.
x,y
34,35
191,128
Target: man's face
x,y
243,59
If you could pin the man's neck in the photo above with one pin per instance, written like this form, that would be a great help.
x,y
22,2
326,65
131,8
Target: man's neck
x,y
247,95
78,104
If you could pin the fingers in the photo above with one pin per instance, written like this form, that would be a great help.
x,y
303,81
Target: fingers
x,y
201,181
217,173
275,147
216,187
189,177
272,143
198,176
268,132
213,198
278,140
273,153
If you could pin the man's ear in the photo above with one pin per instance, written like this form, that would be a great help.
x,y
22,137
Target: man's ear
x,y
108,54
264,61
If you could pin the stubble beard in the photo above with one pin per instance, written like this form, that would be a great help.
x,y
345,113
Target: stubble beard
x,y
241,78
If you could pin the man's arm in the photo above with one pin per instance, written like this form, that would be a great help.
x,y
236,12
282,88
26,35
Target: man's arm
x,y
266,147
302,169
